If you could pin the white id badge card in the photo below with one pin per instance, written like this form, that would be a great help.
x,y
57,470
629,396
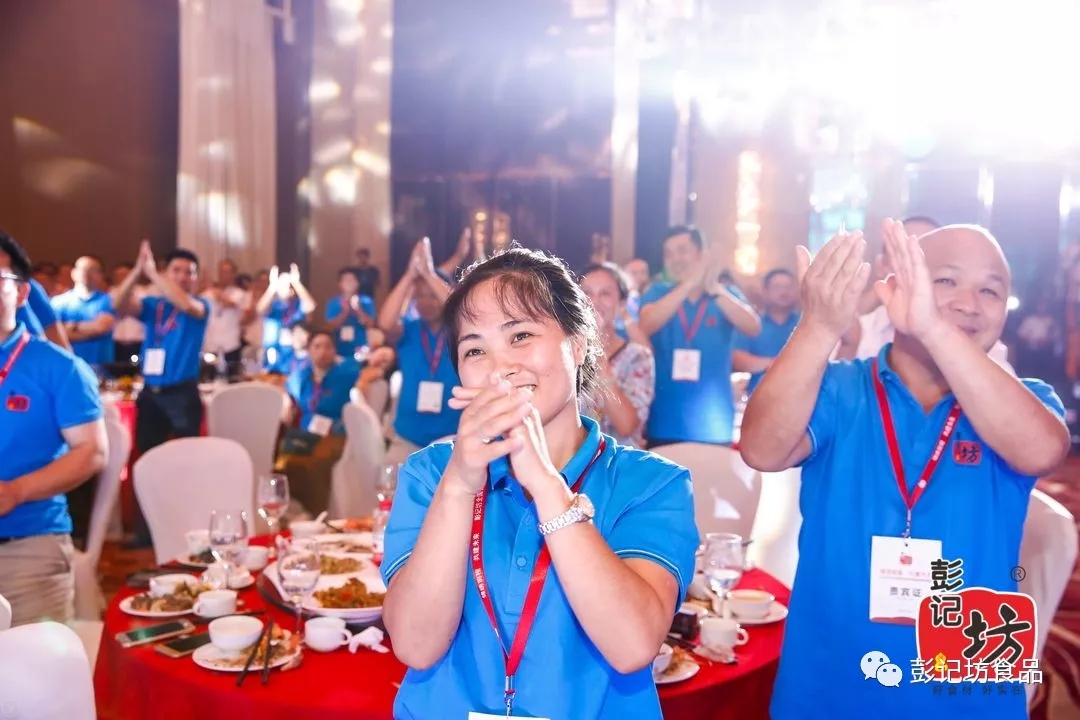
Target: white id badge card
x,y
320,425
489,716
429,398
348,333
900,577
687,365
154,361
285,337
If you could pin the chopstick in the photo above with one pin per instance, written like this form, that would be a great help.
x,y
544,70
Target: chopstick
x,y
266,655
684,644
251,657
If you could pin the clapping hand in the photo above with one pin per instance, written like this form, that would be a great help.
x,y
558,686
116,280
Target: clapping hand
x,y
907,293
832,281
146,263
489,413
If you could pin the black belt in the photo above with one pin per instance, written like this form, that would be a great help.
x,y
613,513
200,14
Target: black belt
x,y
6,540
167,389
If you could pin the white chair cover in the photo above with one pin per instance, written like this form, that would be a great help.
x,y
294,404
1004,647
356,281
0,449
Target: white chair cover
x,y
44,674
89,601
352,493
776,526
5,613
1048,555
726,490
180,483
250,414
89,632
377,397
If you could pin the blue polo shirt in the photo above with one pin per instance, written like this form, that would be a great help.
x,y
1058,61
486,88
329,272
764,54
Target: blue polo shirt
x,y
71,308
283,314
37,312
326,399
848,495
182,343
684,411
49,390
644,509
422,428
769,342
348,348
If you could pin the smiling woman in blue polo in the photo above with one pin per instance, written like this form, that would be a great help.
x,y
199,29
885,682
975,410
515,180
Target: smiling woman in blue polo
x,y
533,561
927,452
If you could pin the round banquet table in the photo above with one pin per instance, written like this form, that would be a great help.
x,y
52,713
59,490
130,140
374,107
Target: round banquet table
x,y
141,684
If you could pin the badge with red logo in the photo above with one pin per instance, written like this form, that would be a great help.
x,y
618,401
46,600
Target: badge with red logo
x,y
966,452
17,403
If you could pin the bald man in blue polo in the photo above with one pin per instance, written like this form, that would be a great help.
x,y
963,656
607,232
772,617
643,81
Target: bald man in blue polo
x,y
968,439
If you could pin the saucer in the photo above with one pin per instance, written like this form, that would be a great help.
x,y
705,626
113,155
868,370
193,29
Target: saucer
x,y
776,613
684,671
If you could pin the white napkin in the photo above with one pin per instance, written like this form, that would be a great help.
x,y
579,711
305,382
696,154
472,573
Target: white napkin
x,y
371,638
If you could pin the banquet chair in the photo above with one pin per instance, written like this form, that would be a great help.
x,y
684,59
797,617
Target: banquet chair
x,y
726,490
250,414
44,674
391,412
5,613
352,492
180,483
89,632
89,601
377,397
1048,554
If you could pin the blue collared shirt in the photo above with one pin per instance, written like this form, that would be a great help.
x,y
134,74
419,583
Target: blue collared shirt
x,y
684,411
283,314
37,312
326,399
768,343
644,509
70,307
848,495
347,348
182,343
422,428
49,390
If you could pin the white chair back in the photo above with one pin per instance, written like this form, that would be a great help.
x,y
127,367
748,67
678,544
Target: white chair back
x,y
396,378
5,613
180,483
353,490
726,490
44,674
250,414
1048,554
377,397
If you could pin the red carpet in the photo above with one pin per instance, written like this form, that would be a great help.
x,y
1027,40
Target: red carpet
x,y
1059,696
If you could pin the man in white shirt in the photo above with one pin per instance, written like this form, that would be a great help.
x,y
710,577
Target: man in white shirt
x,y
227,305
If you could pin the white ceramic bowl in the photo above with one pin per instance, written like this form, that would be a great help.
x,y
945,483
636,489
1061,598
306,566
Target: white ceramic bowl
x,y
198,541
663,659
165,584
256,558
306,528
235,633
750,604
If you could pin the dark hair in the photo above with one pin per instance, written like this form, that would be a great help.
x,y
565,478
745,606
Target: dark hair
x,y
617,274
537,284
774,273
314,332
695,235
227,261
20,261
348,271
924,219
181,254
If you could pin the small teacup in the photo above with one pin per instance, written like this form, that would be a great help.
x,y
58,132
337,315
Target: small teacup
x,y
215,603
750,604
232,635
198,541
256,558
662,660
326,634
722,633
163,585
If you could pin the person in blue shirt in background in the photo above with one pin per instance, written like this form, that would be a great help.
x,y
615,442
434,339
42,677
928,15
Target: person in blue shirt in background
x,y
52,439
755,354
933,387
592,541
87,314
349,315
39,318
690,322
427,370
285,304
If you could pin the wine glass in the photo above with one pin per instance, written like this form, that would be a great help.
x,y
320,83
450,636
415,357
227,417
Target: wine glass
x,y
229,538
299,568
273,496
725,559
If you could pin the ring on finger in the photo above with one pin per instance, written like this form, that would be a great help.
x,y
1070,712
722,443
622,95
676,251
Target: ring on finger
x,y
486,439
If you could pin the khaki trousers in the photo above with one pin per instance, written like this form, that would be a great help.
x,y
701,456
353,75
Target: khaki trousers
x,y
37,578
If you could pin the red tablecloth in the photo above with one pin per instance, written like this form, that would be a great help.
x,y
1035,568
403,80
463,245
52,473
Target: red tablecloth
x,y
141,684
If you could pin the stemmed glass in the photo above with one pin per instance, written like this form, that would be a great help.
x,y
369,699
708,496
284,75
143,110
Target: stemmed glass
x,y
725,560
299,568
229,539
273,497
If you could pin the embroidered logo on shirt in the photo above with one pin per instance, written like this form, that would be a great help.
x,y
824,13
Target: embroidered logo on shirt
x,y
966,452
710,321
18,403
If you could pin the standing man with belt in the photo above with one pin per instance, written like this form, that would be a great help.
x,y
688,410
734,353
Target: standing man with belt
x,y
52,439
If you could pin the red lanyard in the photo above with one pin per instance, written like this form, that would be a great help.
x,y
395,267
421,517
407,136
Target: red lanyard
x,y
894,449
290,313
160,331
19,347
432,357
316,392
536,584
689,331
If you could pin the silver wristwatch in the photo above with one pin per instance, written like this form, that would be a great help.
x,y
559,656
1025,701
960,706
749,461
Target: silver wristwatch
x,y
580,510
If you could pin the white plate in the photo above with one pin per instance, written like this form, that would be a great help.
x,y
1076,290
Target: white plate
x,y
186,561
368,574
776,613
685,672
125,606
211,658
239,582
359,538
